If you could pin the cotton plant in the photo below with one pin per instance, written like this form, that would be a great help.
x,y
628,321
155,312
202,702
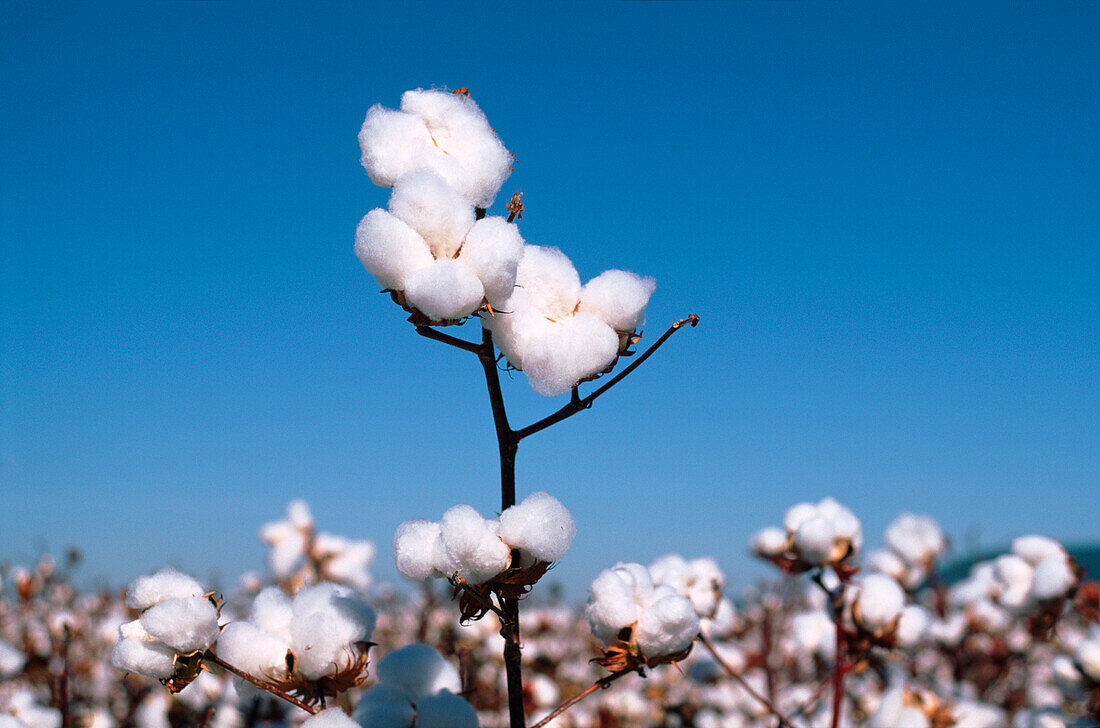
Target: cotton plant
x,y
417,688
298,555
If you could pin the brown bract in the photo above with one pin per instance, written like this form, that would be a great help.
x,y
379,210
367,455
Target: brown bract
x,y
625,654
347,676
475,600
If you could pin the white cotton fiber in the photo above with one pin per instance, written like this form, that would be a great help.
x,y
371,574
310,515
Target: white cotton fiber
x,y
346,561
1034,548
611,604
272,612
667,626
259,653
1052,578
145,591
515,324
12,660
330,718
880,602
493,248
472,545
419,670
618,298
445,710
671,570
389,249
1087,655
186,625
916,539
798,514
384,706
415,548
550,281
432,208
770,541
392,143
814,540
469,153
152,659
299,515
328,620
571,351
540,526
446,290
913,625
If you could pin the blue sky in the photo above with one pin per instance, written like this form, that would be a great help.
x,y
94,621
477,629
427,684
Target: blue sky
x,y
885,214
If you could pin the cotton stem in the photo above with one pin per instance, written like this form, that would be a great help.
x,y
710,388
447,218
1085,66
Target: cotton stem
x,y
602,683
784,722
261,684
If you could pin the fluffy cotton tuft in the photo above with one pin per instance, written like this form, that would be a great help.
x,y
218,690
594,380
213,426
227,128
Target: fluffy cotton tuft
x,y
916,539
145,591
328,621
416,548
770,541
618,298
419,670
389,249
152,659
446,290
244,645
424,201
572,351
1052,579
445,710
663,622
330,718
880,603
667,626
540,526
415,685
186,625
392,143
550,281
472,545
493,249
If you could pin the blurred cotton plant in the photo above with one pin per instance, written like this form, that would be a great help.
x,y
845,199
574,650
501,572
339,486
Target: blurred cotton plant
x,y
299,556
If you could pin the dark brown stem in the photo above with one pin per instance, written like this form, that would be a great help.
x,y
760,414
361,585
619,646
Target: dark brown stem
x,y
784,722
840,664
600,684
430,333
477,596
578,403
261,684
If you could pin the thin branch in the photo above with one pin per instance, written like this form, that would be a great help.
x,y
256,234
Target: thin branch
x,y
262,685
784,722
429,333
600,684
578,403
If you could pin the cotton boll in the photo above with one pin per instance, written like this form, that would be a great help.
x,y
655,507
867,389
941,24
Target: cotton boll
x,y
911,718
813,632
540,526
618,298
472,545
384,706
671,570
1015,575
389,249
574,350
471,156
145,591
331,718
611,602
769,541
418,670
550,281
344,561
152,659
432,208
260,653
392,143
493,248
1087,656
667,626
1053,578
186,625
11,660
880,602
272,612
972,714
1034,548
515,324
814,540
912,626
446,290
798,514
445,710
416,545
916,539
328,621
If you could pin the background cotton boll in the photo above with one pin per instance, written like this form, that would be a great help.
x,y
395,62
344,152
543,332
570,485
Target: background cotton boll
x,y
550,281
389,249
434,209
880,602
814,539
444,291
1052,578
384,706
330,718
913,625
299,515
186,625
145,591
1034,549
392,143
272,612
571,351
611,604
346,561
246,646
493,248
540,525
914,538
11,660
419,670
414,548
1087,656
472,545
769,541
670,569
798,514
445,710
618,298
667,626
152,659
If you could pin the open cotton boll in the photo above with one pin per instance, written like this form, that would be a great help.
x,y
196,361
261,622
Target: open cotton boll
x,y
152,659
540,526
469,153
618,298
667,626
345,561
328,621
434,209
272,612
384,706
246,646
418,670
1052,578
145,591
844,521
798,514
389,249
770,541
814,540
1034,548
916,539
446,290
611,603
515,325
1087,656
671,570
573,350
1014,574
472,545
330,718
493,248
392,143
12,660
415,548
186,625
444,710
880,602
550,281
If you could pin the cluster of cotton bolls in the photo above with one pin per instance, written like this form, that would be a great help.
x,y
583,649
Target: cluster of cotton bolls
x,y
813,535
444,260
298,555
477,549
913,544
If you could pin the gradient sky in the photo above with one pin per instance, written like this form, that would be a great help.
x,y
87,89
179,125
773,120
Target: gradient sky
x,y
887,216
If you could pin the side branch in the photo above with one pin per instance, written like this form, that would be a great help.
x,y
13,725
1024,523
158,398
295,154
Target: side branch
x,y
429,333
603,682
265,686
784,722
578,403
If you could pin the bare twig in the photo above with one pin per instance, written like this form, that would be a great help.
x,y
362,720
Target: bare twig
x,y
261,684
600,684
430,333
784,722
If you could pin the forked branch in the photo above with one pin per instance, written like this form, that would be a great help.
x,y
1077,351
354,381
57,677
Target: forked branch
x,y
603,682
261,684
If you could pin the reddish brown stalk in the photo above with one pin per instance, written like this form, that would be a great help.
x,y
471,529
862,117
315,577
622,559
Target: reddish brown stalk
x,y
784,722
261,684
600,684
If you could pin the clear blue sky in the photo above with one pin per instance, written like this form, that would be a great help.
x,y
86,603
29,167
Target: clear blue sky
x,y
885,214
